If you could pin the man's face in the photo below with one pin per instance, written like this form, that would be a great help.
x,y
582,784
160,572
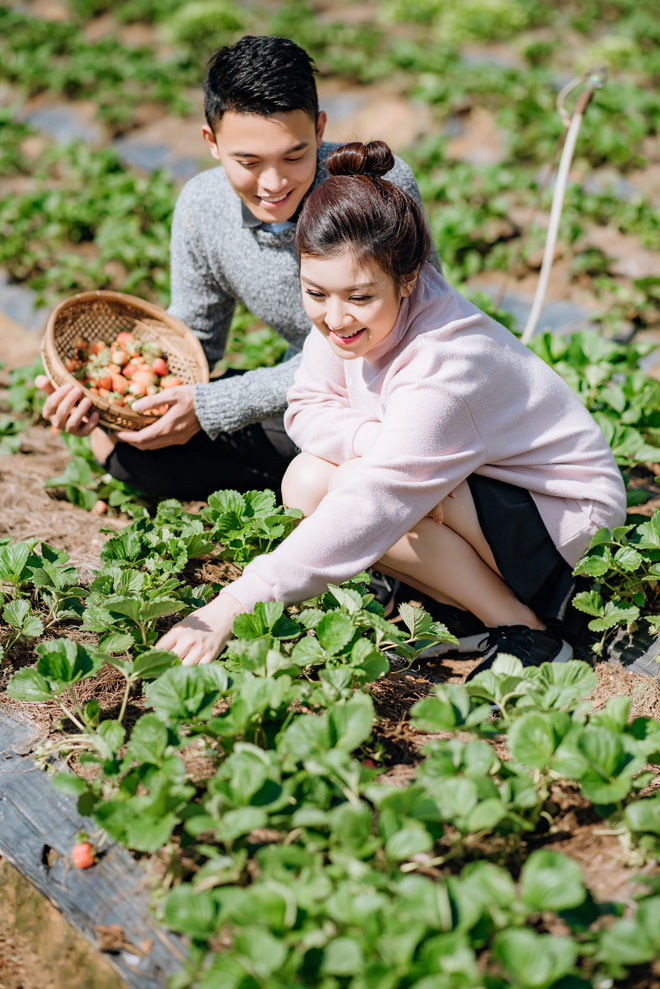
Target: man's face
x,y
270,161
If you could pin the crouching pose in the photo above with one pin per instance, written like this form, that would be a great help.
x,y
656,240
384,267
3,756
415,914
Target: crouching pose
x,y
408,394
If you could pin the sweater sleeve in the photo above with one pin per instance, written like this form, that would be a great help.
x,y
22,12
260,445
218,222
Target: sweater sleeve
x,y
415,461
229,404
198,296
319,418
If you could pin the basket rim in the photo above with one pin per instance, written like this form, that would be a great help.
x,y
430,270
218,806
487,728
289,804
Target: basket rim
x,y
149,309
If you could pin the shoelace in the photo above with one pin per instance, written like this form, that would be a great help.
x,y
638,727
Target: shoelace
x,y
515,639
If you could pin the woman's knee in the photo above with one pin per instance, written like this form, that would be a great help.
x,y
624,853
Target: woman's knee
x,y
305,482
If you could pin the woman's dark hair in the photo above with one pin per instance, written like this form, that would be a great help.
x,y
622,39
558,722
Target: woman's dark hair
x,y
356,209
262,75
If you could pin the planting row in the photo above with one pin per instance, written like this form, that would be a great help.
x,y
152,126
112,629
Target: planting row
x,y
288,861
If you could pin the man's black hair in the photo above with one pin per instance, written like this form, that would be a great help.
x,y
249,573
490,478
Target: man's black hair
x,y
262,75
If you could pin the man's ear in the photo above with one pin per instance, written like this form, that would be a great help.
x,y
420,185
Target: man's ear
x,y
211,142
321,121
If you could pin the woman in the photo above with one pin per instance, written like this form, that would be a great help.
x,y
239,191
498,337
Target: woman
x,y
409,394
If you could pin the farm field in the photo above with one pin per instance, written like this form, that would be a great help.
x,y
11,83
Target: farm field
x,y
308,811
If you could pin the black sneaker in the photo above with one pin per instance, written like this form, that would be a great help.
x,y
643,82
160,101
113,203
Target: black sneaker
x,y
470,631
384,589
532,647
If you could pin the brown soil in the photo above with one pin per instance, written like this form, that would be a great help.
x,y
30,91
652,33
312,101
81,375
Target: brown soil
x,y
38,950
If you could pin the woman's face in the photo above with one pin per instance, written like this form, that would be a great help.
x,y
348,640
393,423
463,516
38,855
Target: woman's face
x,y
354,307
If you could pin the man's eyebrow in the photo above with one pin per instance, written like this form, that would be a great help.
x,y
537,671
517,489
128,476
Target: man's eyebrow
x,y
250,154
353,288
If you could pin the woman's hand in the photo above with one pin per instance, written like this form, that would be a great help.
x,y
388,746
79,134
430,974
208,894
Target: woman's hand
x,y
201,636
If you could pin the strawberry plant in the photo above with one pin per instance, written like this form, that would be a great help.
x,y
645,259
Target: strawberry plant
x,y
624,566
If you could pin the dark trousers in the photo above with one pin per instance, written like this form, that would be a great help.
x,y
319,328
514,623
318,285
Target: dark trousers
x,y
253,457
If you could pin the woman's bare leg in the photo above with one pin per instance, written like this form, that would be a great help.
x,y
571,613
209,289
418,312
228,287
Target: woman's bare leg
x,y
442,563
450,562
306,481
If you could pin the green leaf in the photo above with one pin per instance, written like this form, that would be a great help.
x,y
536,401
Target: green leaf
x,y
153,662
186,692
535,961
643,816
628,559
307,652
624,944
19,616
69,783
29,685
650,533
335,631
532,740
145,833
590,602
343,956
351,722
148,740
66,662
113,735
190,911
551,881
408,841
447,710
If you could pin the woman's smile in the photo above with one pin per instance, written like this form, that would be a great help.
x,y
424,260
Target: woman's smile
x,y
354,307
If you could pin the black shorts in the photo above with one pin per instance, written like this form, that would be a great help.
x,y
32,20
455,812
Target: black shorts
x,y
526,556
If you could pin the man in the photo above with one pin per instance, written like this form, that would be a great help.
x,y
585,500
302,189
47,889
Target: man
x,y
232,240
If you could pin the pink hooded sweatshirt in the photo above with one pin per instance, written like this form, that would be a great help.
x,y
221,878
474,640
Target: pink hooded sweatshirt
x,y
449,392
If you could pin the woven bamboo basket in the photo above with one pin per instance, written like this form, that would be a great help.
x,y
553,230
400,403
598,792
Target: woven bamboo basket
x,y
101,315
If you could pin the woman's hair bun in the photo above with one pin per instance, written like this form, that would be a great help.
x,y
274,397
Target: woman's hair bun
x,y
374,158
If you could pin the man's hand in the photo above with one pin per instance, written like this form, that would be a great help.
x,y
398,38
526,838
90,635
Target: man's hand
x,y
175,427
202,635
66,408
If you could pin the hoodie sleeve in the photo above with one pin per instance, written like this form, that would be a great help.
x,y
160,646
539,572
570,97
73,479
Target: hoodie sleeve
x,y
397,482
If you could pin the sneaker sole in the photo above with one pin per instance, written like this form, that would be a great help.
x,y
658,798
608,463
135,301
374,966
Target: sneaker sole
x,y
468,643
565,654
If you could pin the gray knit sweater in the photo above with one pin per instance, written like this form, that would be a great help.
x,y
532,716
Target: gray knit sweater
x,y
218,259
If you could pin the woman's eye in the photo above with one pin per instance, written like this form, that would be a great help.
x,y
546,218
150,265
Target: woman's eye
x,y
300,158
247,164
314,295
360,298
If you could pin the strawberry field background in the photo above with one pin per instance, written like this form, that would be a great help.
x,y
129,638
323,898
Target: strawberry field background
x,y
252,823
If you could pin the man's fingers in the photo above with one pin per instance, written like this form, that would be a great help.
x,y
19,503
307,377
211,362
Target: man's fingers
x,y
83,418
41,381
145,438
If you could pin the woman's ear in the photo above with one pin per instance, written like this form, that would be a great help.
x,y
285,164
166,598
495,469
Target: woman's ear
x,y
409,283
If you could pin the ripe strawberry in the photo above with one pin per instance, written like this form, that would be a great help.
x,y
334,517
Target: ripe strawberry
x,y
124,337
97,346
82,855
129,369
100,507
138,388
118,356
160,367
170,381
119,383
